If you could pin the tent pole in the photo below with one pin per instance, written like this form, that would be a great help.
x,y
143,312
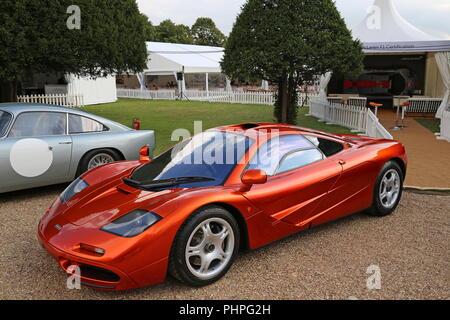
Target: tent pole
x,y
207,84
183,86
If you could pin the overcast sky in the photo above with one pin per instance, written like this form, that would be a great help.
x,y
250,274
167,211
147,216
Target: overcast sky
x,y
432,16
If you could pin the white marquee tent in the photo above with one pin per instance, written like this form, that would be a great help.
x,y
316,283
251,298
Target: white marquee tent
x,y
385,31
173,58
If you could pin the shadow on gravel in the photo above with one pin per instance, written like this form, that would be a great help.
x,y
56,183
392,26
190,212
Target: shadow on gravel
x,y
24,195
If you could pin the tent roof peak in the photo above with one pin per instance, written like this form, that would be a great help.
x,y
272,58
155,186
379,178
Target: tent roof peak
x,y
383,23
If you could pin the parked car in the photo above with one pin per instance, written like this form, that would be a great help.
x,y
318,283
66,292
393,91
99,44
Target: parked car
x,y
42,145
188,215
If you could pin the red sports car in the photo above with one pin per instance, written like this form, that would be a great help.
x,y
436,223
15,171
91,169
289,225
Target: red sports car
x,y
191,209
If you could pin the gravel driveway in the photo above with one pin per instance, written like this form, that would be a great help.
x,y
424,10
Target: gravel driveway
x,y
411,248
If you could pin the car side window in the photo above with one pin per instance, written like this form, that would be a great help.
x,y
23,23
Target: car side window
x,y
272,152
328,147
80,124
5,119
298,159
35,124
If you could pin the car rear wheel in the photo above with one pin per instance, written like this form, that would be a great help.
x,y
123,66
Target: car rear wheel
x,y
388,190
205,247
97,158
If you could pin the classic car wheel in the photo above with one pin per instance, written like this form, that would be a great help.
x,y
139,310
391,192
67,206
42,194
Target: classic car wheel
x,y
97,158
388,190
205,247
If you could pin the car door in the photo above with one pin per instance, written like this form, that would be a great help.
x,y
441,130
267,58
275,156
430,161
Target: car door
x,y
300,177
36,151
353,191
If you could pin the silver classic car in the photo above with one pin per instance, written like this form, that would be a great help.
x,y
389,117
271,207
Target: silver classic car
x,y
42,145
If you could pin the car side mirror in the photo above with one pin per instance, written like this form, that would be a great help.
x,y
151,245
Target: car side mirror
x,y
252,177
144,154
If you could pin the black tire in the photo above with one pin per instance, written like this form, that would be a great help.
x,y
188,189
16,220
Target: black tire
x,y
381,208
84,162
178,264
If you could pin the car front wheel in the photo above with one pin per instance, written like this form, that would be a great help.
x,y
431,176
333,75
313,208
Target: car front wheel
x,y
205,247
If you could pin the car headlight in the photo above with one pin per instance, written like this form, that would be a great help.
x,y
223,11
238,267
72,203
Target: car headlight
x,y
132,224
73,189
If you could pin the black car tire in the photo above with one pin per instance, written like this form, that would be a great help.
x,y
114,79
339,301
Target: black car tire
x,y
380,206
84,163
178,264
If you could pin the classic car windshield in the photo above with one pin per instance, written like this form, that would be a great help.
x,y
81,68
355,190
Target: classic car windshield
x,y
5,119
211,154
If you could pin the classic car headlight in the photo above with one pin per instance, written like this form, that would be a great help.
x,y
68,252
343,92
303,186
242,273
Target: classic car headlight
x,y
75,188
132,224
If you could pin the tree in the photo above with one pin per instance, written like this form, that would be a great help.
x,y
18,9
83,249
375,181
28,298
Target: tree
x,y
289,42
150,31
205,32
34,38
167,31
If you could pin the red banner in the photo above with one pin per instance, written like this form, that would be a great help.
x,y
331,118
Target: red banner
x,y
349,84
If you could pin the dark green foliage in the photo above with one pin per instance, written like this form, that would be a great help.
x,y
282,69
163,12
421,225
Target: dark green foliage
x,y
150,31
206,33
203,32
288,42
34,38
167,31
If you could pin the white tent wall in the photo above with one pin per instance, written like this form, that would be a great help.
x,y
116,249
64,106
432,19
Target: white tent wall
x,y
434,85
158,63
324,81
443,62
94,91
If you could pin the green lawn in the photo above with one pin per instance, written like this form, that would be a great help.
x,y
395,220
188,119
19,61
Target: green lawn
x,y
166,116
431,124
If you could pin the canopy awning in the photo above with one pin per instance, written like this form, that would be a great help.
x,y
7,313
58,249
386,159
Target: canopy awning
x,y
173,57
384,30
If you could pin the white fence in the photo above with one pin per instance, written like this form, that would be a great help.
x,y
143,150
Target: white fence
x,y
445,126
147,94
423,105
374,128
263,98
357,101
54,99
359,119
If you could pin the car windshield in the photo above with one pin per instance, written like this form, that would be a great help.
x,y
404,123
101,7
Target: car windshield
x,y
211,154
5,119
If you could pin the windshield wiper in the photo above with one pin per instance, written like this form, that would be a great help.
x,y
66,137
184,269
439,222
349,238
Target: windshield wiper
x,y
161,184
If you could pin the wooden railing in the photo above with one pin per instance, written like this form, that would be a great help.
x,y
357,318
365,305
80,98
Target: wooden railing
x,y
64,100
